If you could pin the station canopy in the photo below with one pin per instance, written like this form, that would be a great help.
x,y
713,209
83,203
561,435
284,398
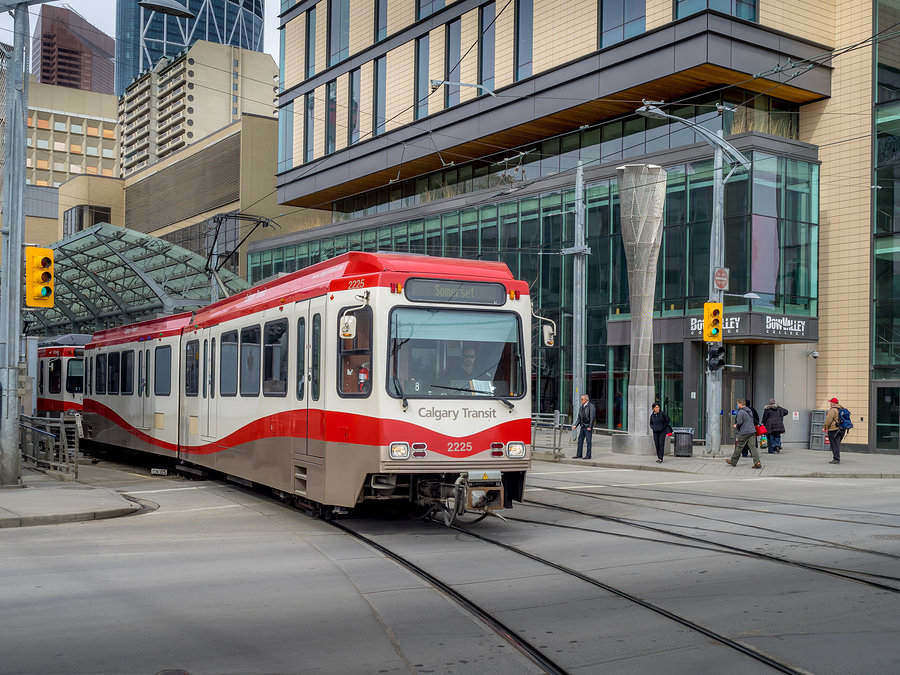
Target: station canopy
x,y
109,276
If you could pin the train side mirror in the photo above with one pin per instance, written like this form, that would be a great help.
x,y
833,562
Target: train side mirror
x,y
348,327
549,335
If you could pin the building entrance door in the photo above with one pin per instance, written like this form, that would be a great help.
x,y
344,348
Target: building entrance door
x,y
737,383
887,416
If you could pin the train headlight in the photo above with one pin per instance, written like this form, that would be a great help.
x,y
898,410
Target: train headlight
x,y
515,449
400,450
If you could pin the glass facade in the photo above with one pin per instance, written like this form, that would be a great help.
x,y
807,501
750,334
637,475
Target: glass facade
x,y
486,40
451,63
620,20
353,96
598,144
143,36
423,86
524,38
742,9
286,137
379,89
771,232
338,31
309,41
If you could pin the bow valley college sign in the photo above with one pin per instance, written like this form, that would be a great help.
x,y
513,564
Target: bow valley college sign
x,y
770,327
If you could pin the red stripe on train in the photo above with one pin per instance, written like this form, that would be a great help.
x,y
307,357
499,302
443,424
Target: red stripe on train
x,y
56,405
336,427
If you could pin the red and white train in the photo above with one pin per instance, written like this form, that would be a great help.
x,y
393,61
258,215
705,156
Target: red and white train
x,y
60,380
364,377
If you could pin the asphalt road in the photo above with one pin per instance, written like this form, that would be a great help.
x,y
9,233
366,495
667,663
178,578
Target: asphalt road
x,y
215,578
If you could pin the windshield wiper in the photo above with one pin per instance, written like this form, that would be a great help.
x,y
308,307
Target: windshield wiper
x,y
395,350
399,389
475,391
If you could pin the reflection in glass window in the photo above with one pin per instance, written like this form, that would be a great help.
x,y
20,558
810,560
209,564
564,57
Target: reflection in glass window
x,y
191,368
486,37
162,371
112,373
212,369
620,20
524,38
315,360
100,380
54,384
355,359
250,366
128,372
423,85
301,357
229,364
742,9
275,358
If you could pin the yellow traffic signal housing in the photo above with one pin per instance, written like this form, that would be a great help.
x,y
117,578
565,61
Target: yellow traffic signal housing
x,y
39,277
712,321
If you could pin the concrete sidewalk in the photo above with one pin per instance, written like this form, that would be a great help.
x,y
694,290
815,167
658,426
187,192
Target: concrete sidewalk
x,y
44,501
790,462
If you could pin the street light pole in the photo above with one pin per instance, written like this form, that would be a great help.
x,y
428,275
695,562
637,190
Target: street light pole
x,y
716,250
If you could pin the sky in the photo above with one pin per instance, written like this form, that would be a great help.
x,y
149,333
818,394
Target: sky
x,y
102,13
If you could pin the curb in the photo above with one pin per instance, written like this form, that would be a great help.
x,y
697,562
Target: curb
x,y
59,518
546,457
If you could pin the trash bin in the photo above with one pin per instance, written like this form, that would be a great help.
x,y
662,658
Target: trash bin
x,y
684,441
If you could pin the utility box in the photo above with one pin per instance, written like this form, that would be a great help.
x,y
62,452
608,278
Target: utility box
x,y
684,441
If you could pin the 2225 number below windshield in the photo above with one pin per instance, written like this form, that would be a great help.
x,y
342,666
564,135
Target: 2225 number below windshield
x,y
453,353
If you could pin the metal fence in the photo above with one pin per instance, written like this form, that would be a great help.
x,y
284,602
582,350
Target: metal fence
x,y
548,432
50,443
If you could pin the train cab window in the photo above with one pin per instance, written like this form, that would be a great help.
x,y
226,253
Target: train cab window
x,y
112,373
40,382
316,356
212,368
127,373
205,365
301,357
100,375
191,367
250,361
355,357
75,376
162,371
275,358
54,372
229,364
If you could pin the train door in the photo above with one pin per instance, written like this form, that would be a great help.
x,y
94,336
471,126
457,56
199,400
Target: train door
x,y
144,415
317,369
210,412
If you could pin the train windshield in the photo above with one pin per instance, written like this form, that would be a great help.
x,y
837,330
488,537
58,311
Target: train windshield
x,y
75,376
455,353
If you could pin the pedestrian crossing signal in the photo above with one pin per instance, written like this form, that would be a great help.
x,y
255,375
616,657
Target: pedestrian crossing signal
x,y
712,321
39,277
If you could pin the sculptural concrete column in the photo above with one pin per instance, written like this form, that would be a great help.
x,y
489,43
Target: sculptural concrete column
x,y
642,194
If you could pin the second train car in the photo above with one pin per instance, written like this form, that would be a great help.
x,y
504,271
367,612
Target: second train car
x,y
367,377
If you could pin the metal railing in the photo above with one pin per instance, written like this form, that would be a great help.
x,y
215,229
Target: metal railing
x,y
548,430
50,442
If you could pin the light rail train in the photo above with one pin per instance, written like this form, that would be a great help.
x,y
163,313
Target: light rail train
x,y
367,377
60,380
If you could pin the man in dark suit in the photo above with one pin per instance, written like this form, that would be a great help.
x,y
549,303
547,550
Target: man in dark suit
x,y
587,415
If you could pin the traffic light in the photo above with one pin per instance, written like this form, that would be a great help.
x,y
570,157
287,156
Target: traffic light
x,y
715,358
39,276
712,321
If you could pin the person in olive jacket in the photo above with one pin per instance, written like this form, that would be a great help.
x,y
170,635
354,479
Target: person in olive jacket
x,y
773,421
660,425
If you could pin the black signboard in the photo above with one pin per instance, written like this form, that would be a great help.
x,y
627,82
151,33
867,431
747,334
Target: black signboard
x,y
456,292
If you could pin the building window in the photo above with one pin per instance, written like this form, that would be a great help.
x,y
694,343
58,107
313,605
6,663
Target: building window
x,y
286,137
524,38
451,63
309,126
83,216
380,19
742,9
422,84
310,42
353,108
330,116
59,126
379,87
282,44
338,31
426,8
486,41
620,20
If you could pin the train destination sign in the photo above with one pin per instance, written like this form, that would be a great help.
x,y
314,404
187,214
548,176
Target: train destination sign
x,y
459,292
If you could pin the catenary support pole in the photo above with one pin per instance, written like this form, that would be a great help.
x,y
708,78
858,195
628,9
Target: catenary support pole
x,y
13,235
579,294
716,259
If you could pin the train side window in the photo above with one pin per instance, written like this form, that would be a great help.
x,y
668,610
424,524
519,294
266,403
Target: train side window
x,y
90,375
147,373
100,375
127,373
191,368
162,376
212,368
301,357
229,364
112,373
140,375
355,357
40,377
205,364
316,343
275,358
54,376
250,361
75,376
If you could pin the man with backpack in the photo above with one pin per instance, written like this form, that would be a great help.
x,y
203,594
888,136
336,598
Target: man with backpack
x,y
837,424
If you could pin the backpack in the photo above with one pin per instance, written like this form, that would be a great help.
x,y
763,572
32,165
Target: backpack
x,y
844,421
